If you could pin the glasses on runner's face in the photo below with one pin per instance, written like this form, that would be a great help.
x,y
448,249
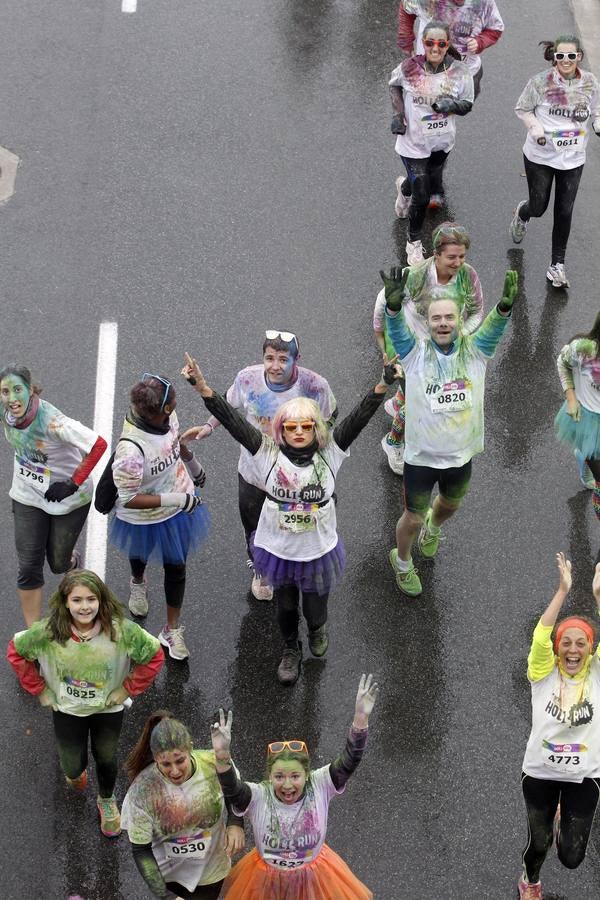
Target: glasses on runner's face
x,y
432,42
294,746
167,384
570,56
305,427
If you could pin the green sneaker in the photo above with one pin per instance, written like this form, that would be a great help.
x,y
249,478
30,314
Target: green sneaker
x,y
408,582
428,540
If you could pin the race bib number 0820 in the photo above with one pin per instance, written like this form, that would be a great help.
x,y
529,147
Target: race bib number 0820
x,y
451,397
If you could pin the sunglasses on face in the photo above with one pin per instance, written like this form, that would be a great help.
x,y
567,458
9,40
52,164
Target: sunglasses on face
x,y
570,56
432,42
167,385
305,427
294,746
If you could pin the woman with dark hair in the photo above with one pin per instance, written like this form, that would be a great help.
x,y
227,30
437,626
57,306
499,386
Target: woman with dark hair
x,y
51,487
561,769
427,92
557,107
296,544
159,516
288,812
474,26
78,661
578,420
182,837
443,276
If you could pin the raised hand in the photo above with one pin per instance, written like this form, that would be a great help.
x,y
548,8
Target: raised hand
x,y
191,372
509,291
366,696
394,284
564,573
391,371
596,584
220,735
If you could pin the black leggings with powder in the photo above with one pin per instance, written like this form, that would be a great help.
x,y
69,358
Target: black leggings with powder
x,y
578,804
102,730
174,581
566,185
424,179
314,607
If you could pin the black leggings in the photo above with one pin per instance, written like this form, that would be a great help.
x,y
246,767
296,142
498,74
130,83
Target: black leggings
x,y
39,535
250,501
174,580
72,734
424,179
577,807
314,607
594,465
539,182
202,892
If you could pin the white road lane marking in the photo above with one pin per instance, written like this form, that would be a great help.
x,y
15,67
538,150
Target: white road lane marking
x,y
104,402
129,6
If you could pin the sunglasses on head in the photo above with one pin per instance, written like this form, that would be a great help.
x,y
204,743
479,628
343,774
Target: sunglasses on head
x,y
433,42
291,427
560,56
294,746
287,336
167,385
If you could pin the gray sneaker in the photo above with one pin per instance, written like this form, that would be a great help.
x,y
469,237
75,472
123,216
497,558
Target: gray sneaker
x,y
138,598
288,671
518,226
557,275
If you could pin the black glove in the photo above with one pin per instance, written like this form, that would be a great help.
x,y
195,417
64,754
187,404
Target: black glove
x,y
398,125
394,284
390,372
443,104
60,490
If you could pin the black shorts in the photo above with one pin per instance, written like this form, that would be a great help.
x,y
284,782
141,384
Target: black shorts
x,y
419,482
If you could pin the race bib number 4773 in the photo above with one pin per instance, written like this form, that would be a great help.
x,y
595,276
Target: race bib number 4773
x,y
564,757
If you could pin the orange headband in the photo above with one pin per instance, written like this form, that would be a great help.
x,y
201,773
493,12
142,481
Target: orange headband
x,y
573,622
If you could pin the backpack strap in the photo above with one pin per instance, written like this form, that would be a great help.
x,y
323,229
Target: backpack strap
x,y
130,441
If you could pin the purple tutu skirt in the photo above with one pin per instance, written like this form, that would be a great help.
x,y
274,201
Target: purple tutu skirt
x,y
318,575
170,541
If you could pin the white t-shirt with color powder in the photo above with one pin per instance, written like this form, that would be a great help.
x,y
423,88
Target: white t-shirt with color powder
x,y
185,823
251,394
296,522
47,451
289,836
427,130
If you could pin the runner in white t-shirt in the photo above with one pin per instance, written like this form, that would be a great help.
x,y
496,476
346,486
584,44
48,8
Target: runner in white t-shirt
x,y
296,544
181,835
51,487
427,93
474,26
445,386
561,769
258,392
578,420
560,108
288,812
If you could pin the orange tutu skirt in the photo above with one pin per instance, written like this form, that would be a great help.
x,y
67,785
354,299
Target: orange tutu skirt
x,y
326,878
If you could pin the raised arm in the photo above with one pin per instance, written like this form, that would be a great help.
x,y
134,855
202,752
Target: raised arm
x,y
540,661
488,336
344,765
351,425
237,426
236,791
402,338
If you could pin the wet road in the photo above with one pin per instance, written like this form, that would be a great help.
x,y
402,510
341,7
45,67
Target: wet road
x,y
199,172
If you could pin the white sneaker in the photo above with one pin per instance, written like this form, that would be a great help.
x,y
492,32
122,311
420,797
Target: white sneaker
x,y
414,252
557,275
260,589
518,226
173,639
402,202
138,598
395,455
389,407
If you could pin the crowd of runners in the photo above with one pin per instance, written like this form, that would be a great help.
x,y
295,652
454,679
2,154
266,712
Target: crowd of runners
x,y
85,660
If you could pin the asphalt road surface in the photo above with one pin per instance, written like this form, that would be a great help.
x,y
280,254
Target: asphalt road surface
x,y
198,172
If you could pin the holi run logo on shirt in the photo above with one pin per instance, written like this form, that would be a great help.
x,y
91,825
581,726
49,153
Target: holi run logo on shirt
x,y
580,713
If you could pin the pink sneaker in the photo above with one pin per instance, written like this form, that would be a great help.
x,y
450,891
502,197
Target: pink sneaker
x,y
530,891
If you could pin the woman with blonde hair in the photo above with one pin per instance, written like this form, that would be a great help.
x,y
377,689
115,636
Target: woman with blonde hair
x,y
296,545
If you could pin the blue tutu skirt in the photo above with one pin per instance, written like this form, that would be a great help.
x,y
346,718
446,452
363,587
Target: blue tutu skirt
x,y
170,541
318,575
583,435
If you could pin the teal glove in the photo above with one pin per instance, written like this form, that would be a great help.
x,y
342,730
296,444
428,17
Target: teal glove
x,y
394,284
509,291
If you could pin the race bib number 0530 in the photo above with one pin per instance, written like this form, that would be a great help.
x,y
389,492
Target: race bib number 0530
x,y
193,846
